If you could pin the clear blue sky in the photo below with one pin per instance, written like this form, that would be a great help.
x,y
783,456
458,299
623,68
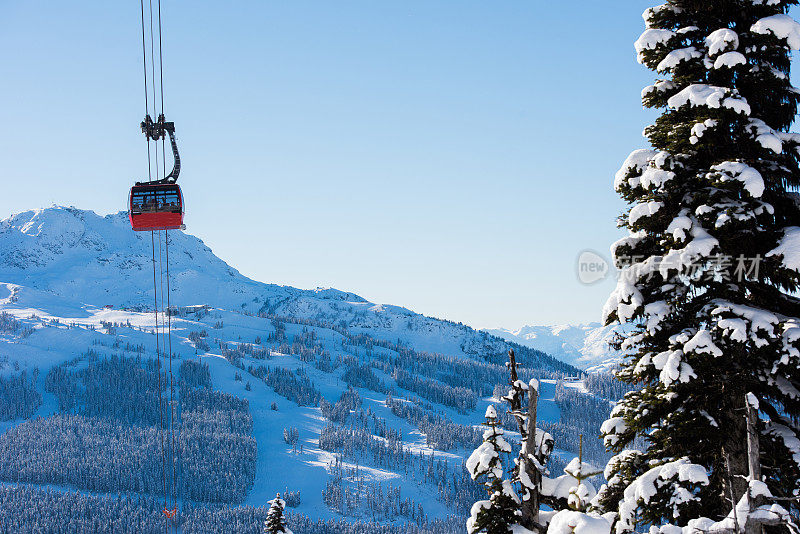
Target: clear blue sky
x,y
452,157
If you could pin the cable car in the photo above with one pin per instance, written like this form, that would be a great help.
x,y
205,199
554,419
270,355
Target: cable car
x,y
156,207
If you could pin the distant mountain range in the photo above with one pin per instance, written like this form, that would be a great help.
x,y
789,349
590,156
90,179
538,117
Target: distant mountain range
x,y
586,346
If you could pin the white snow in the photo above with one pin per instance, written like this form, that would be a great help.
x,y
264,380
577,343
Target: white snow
x,y
735,329
646,209
722,40
648,13
654,177
710,96
631,240
485,459
676,57
700,246
740,518
519,529
573,522
730,60
701,343
640,491
781,26
789,248
534,385
790,138
679,226
637,161
655,313
660,86
766,136
700,128
576,469
610,428
473,513
736,170
626,299
748,323
673,368
564,486
650,39
480,461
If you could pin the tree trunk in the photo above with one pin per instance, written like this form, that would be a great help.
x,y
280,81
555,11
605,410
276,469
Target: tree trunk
x,y
734,449
530,508
754,464
516,406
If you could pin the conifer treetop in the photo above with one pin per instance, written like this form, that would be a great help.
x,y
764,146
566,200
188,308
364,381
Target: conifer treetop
x,y
275,523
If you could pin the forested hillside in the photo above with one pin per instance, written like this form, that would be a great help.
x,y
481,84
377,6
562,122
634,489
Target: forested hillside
x,y
360,416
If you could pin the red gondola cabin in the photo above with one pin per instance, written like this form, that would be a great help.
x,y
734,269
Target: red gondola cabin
x,y
156,207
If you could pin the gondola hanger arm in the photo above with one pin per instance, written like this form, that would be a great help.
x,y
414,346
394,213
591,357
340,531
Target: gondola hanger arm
x,y
159,130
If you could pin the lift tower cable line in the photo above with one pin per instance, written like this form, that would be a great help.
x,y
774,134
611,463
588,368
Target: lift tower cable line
x,y
160,402
156,205
175,447
146,101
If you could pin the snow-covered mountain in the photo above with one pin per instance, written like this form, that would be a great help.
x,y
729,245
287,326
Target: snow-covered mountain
x,y
101,261
356,411
98,260
585,346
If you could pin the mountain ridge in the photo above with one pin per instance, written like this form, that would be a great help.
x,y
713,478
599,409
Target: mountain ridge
x,y
73,252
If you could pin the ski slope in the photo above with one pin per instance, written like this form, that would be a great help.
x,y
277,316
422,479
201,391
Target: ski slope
x,y
67,274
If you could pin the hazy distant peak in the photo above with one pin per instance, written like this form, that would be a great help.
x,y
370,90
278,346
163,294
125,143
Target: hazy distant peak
x,y
582,345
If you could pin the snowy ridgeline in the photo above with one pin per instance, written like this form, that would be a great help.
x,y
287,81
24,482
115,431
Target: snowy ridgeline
x,y
83,257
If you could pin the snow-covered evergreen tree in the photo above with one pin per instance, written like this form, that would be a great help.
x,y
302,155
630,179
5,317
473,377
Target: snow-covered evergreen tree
x,y
709,269
275,523
500,513
575,488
